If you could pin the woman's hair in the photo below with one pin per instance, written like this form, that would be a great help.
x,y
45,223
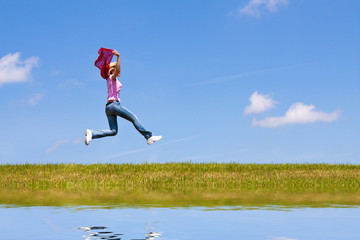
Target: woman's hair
x,y
112,67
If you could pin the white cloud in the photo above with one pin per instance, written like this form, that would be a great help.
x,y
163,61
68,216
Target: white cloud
x,y
56,145
257,7
225,79
62,142
124,153
259,103
284,238
181,139
70,83
35,99
12,69
77,141
244,75
298,113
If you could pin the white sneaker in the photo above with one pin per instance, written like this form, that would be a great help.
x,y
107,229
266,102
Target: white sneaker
x,y
88,136
153,139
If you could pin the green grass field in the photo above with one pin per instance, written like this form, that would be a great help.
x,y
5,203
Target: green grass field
x,y
180,184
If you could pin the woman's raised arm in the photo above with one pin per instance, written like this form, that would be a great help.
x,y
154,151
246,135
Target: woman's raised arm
x,y
117,67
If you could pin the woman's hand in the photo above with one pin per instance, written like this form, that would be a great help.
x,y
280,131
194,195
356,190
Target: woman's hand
x,y
116,53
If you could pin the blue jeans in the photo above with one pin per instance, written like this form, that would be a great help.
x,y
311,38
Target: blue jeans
x,y
113,110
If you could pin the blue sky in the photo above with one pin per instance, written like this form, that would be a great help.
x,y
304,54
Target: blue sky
x,y
226,81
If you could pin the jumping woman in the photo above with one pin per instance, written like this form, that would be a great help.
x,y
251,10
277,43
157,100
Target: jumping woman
x,y
113,108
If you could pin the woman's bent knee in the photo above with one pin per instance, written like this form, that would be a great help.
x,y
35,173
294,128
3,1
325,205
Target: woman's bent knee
x,y
113,132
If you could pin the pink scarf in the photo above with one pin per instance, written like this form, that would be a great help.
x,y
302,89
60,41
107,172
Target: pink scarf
x,y
103,61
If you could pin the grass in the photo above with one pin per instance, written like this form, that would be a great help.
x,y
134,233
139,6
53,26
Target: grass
x,y
180,184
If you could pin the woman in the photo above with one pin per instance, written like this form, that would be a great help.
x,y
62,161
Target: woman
x,y
113,107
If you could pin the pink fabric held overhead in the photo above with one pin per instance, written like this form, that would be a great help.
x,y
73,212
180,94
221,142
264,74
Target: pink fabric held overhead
x,y
103,61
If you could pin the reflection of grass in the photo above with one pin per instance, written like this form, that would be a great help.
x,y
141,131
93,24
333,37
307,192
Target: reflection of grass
x,y
180,184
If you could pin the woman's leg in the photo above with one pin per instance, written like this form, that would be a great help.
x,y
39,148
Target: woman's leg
x,y
105,133
126,114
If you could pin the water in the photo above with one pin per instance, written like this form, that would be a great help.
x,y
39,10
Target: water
x,y
74,223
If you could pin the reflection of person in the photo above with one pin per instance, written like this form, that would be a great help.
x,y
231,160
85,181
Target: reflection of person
x,y
113,107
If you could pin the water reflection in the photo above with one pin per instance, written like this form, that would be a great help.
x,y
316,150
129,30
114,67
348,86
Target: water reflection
x,y
93,233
